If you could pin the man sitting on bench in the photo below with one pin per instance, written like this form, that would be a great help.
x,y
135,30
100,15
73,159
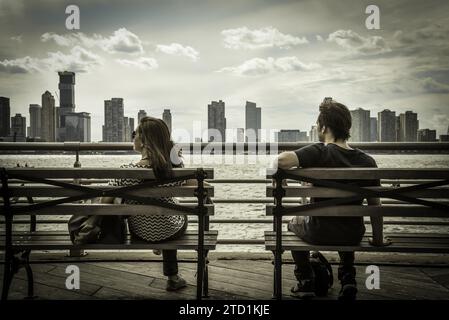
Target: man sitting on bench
x,y
334,122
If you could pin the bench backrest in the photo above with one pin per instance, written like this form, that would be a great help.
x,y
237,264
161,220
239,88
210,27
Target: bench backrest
x,y
56,191
425,194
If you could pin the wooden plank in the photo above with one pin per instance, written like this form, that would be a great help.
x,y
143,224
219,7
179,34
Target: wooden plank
x,y
422,246
369,173
132,285
321,192
101,173
43,190
48,242
361,210
108,209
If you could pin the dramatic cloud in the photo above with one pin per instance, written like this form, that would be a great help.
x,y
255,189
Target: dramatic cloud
x,y
78,60
260,66
354,42
21,65
121,41
268,37
177,49
141,63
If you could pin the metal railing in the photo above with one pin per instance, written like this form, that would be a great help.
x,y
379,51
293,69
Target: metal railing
x,y
77,148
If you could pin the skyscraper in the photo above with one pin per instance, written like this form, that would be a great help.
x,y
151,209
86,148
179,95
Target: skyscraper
x,y
48,117
5,114
360,129
427,135
140,115
35,121
386,126
216,121
166,117
291,136
313,134
77,125
373,129
240,132
253,122
18,127
66,95
408,126
128,128
113,128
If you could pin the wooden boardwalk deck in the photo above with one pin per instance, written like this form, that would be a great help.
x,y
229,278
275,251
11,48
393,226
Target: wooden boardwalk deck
x,y
229,279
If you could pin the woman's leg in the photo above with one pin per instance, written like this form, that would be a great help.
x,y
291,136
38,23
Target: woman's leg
x,y
170,262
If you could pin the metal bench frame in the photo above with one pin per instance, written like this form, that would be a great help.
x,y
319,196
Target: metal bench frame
x,y
320,177
12,260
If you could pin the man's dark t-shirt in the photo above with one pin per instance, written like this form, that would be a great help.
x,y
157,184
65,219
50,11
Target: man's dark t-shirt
x,y
334,230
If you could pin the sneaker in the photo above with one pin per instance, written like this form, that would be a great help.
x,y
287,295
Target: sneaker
x,y
304,289
174,285
348,292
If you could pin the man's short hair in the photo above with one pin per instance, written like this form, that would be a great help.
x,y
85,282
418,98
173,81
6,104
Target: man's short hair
x,y
336,117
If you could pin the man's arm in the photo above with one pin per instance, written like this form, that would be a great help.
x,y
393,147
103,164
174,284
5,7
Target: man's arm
x,y
377,225
287,160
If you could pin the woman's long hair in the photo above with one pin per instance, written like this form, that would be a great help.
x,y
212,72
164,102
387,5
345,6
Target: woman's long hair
x,y
156,140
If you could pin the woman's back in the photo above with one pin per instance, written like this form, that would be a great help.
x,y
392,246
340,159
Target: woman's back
x,y
152,227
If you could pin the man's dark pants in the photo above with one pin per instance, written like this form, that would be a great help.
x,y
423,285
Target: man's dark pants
x,y
303,268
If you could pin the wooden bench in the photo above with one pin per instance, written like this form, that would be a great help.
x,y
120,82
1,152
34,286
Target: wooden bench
x,y
55,191
425,194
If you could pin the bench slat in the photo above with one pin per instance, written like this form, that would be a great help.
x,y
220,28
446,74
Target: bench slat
x,y
109,209
101,173
53,191
357,211
400,244
369,173
188,241
321,192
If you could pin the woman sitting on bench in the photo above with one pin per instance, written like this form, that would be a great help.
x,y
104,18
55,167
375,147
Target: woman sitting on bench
x,y
152,139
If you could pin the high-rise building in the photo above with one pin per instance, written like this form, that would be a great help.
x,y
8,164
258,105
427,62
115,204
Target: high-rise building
x,y
66,95
360,129
286,135
386,126
313,134
140,115
216,121
427,135
240,135
77,125
373,129
48,117
113,128
5,115
35,121
166,117
408,126
253,122
128,128
18,127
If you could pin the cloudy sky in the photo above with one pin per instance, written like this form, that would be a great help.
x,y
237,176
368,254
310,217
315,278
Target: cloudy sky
x,y
284,55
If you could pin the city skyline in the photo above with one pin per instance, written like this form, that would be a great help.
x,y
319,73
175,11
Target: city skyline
x,y
285,55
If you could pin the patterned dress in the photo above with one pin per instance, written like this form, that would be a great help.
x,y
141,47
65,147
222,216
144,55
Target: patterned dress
x,y
151,228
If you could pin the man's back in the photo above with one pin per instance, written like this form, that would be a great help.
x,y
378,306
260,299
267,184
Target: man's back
x,y
335,230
